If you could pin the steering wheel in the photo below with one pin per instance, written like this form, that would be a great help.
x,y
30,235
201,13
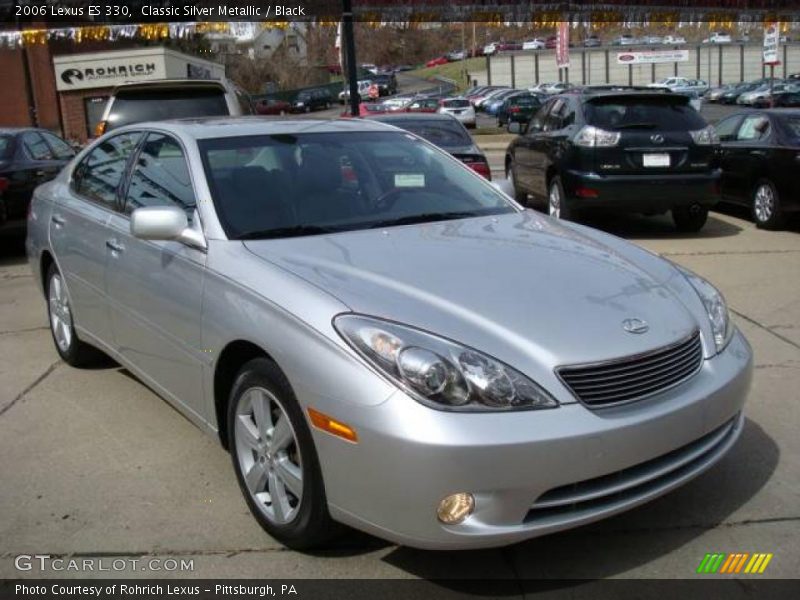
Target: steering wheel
x,y
383,201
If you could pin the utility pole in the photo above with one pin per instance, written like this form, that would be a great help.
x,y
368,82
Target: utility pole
x,y
350,54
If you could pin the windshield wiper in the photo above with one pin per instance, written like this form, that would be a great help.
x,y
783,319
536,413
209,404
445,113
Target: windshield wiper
x,y
423,218
637,126
278,232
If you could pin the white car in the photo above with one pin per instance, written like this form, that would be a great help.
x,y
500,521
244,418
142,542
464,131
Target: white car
x,y
490,49
363,89
718,38
396,103
673,40
370,67
459,108
534,44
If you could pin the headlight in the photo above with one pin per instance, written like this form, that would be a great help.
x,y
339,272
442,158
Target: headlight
x,y
716,308
440,373
705,137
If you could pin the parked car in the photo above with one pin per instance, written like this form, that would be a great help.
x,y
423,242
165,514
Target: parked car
x,y
477,99
786,99
435,62
718,37
366,109
556,88
759,163
387,83
384,312
490,49
490,95
171,99
762,98
370,68
681,84
625,40
714,94
518,108
456,55
674,40
273,107
652,40
310,100
509,46
493,104
363,89
592,42
639,151
551,42
737,90
534,44
397,103
458,108
422,105
29,157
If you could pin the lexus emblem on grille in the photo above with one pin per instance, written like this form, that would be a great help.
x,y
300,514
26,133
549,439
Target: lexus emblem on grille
x,y
635,326
657,138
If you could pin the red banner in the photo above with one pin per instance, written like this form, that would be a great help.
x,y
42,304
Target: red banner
x,y
562,45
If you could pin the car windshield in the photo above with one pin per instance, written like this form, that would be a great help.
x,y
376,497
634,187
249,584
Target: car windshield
x,y
158,105
272,186
668,113
6,144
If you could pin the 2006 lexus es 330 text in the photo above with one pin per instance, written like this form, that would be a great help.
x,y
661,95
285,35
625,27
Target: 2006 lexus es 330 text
x,y
379,336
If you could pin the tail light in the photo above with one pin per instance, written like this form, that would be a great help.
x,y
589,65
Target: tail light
x,y
585,192
100,128
477,164
3,184
514,109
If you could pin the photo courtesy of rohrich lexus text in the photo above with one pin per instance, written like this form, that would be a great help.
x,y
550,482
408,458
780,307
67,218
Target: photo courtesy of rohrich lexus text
x,y
361,298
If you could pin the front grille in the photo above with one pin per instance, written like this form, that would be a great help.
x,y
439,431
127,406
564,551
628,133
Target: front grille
x,y
594,496
634,377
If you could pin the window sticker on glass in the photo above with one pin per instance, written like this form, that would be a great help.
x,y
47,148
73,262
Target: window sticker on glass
x,y
409,180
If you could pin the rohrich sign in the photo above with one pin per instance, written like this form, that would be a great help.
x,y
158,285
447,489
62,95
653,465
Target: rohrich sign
x,y
107,69
651,57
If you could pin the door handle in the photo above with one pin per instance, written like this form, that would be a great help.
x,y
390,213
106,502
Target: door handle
x,y
58,220
758,153
114,245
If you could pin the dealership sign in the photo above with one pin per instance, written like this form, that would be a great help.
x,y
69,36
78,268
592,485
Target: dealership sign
x,y
771,44
105,73
562,45
651,57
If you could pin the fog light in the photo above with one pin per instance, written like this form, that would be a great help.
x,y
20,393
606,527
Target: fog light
x,y
455,508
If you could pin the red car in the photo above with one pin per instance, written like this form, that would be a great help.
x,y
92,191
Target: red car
x,y
273,107
423,105
435,62
551,42
365,109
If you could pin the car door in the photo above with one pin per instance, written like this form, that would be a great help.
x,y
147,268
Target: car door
x,y
726,130
744,157
78,231
548,144
155,287
527,150
33,165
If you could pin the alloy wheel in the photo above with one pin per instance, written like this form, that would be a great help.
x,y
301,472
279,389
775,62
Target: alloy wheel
x,y
554,201
269,455
764,203
60,314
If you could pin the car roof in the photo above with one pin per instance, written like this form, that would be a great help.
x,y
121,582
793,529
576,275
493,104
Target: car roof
x,y
167,83
220,127
16,130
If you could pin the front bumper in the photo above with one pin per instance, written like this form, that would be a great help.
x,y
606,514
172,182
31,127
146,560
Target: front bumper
x,y
643,193
409,457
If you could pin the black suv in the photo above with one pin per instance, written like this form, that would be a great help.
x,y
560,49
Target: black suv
x,y
386,82
628,149
309,100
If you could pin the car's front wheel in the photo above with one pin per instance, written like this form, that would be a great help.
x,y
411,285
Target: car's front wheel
x,y
62,323
690,219
275,459
766,206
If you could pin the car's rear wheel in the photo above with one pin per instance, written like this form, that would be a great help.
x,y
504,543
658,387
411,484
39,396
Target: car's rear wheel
x,y
275,459
557,206
62,324
766,206
690,219
519,195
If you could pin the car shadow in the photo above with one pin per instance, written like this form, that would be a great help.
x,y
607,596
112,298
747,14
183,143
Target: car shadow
x,y
623,542
12,245
634,226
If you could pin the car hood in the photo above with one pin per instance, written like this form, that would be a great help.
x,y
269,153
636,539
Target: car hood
x,y
522,287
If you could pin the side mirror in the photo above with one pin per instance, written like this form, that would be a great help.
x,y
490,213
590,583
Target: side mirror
x,y
165,223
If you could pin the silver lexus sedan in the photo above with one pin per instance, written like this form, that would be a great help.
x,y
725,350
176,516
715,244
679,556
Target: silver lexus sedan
x,y
381,338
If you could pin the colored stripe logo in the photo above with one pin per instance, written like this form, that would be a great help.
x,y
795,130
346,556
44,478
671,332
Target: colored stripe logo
x,y
734,563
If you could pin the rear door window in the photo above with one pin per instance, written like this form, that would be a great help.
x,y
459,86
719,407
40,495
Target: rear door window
x,y
36,146
666,113
61,149
99,174
135,106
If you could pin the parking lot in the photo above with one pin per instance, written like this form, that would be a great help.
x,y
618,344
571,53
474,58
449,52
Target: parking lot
x,y
96,465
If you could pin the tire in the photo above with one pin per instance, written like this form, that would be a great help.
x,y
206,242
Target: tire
x,y
519,195
307,109
557,206
69,346
299,519
766,207
690,219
